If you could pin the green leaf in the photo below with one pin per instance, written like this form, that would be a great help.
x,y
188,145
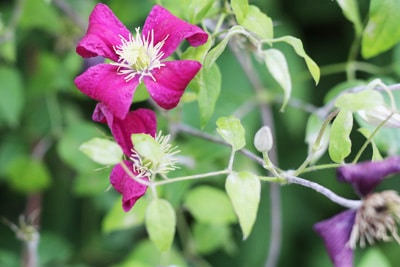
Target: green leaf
x,y
28,175
376,155
374,257
11,96
92,182
210,237
198,9
339,142
382,30
277,65
314,125
103,151
240,8
232,131
210,205
209,90
160,223
244,190
48,20
258,22
299,49
362,100
350,11
117,219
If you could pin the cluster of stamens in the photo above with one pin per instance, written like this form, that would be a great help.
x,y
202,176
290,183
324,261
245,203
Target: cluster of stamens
x,y
376,219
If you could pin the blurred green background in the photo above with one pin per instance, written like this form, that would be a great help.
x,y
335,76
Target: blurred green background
x,y
44,119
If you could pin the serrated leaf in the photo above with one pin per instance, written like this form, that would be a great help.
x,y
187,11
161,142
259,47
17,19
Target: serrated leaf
x,y
232,131
160,223
299,49
11,96
382,30
240,8
28,175
210,205
209,90
277,65
103,151
117,219
339,140
350,11
362,100
244,190
258,22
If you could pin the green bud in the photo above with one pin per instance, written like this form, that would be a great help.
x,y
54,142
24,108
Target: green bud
x,y
263,140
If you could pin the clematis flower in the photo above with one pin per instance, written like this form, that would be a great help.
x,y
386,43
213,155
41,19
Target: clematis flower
x,y
137,121
376,218
136,59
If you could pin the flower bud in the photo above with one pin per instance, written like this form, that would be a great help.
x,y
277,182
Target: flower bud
x,y
263,140
379,114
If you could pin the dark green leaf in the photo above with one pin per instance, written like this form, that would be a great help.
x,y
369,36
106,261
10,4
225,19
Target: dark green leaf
x,y
11,96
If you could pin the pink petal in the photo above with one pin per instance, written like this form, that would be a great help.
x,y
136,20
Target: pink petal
x,y
165,24
336,233
171,81
365,176
130,189
104,84
103,33
138,121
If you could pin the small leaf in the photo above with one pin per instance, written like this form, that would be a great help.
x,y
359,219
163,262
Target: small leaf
x,y
240,8
210,205
117,219
350,11
244,191
277,65
209,90
103,151
232,131
382,30
11,96
258,22
339,142
160,223
362,100
299,49
28,175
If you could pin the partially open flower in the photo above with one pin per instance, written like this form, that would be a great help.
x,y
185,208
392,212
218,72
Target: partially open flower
x,y
375,220
137,58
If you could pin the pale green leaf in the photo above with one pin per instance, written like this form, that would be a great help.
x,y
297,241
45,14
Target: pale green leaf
x,y
376,155
232,131
244,190
362,100
103,151
339,140
117,219
210,237
316,144
209,90
277,65
240,8
160,220
299,49
258,22
198,9
374,257
210,205
147,147
382,31
11,96
350,11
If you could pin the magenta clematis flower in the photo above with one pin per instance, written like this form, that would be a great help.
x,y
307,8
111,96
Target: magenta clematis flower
x,y
137,121
137,59
375,219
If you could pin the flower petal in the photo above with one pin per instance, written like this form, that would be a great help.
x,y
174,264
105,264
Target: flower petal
x,y
171,81
336,233
176,30
130,189
365,176
138,121
102,83
103,33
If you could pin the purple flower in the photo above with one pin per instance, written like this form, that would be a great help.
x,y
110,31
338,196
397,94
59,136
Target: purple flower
x,y
137,121
375,219
137,59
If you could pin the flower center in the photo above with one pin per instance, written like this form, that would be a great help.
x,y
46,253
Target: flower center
x,y
139,56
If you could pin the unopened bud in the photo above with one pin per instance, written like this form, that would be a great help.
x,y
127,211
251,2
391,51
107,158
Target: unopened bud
x,y
263,140
379,114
